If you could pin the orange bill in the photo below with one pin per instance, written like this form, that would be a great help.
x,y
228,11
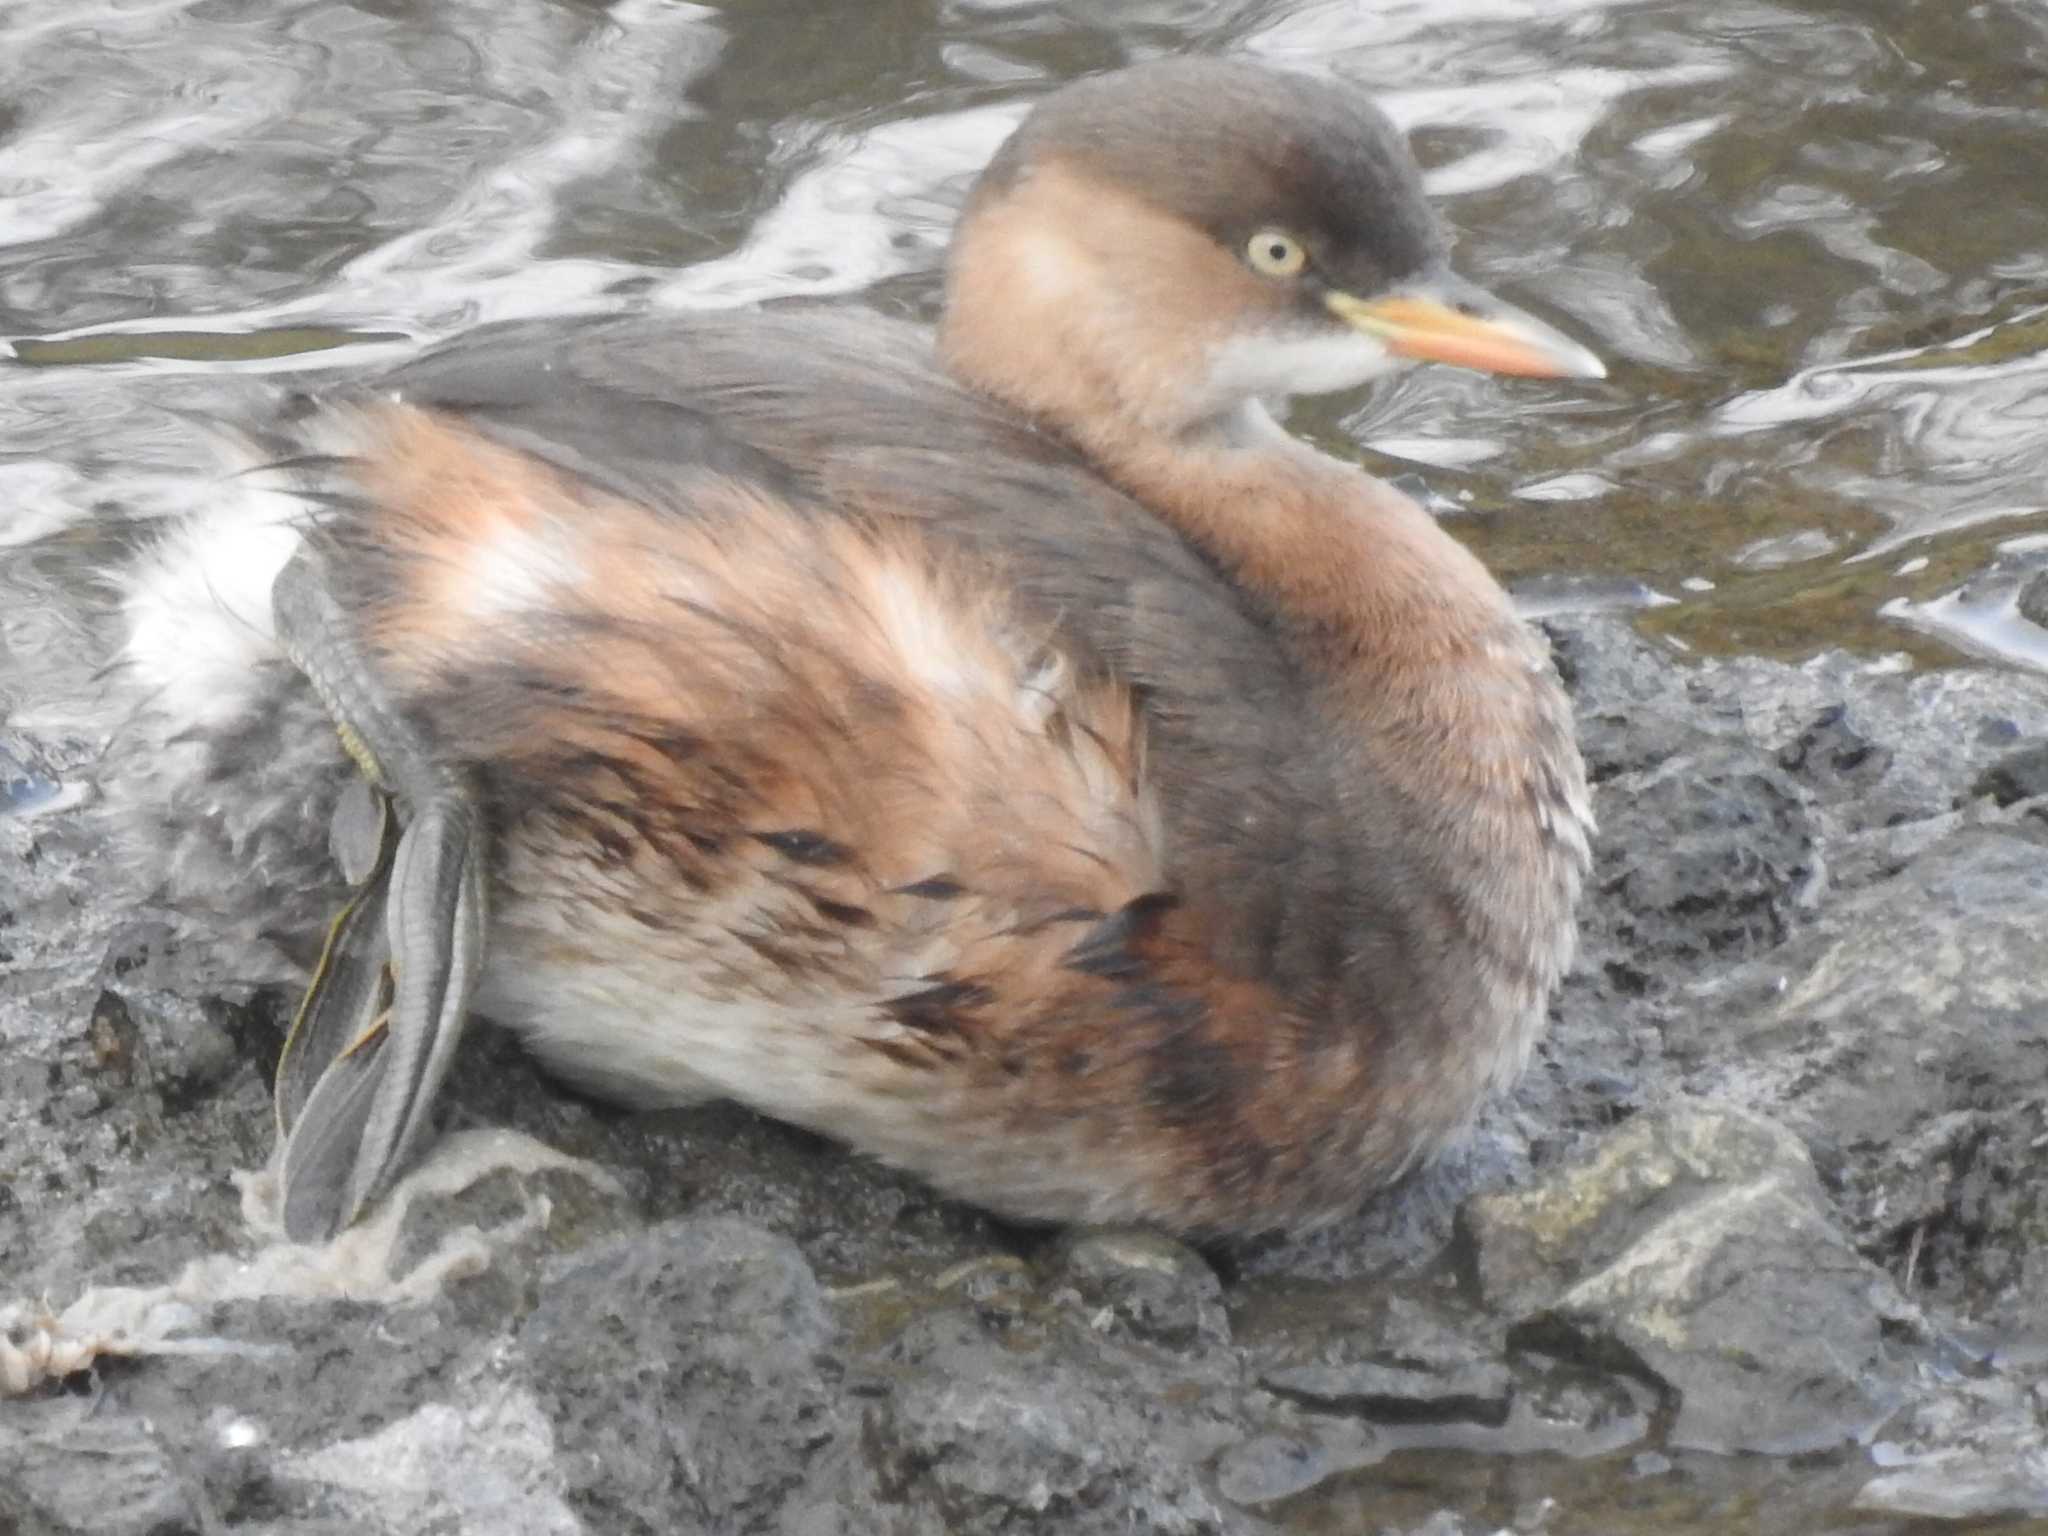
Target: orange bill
x,y
1449,321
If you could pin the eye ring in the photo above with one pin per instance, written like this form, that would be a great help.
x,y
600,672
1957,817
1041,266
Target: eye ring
x,y
1275,253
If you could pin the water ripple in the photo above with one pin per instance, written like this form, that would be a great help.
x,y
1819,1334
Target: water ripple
x,y
1809,240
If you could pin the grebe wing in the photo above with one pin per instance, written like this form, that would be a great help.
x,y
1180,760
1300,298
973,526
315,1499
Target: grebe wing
x,y
843,412
846,412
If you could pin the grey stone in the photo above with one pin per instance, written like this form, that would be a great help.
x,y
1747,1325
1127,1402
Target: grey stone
x,y
1965,1483
2033,599
487,1464
1150,1286
2020,775
1690,1247
66,1472
688,1368
1971,1450
1907,1003
1524,1249
1271,1467
982,1432
1397,1360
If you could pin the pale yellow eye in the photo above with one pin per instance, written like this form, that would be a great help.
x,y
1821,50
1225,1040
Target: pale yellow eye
x,y
1275,254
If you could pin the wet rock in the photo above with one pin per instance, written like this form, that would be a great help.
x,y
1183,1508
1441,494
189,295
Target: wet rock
x,y
130,1490
1477,1390
229,1432
689,1369
1707,845
2033,599
851,1216
981,1430
1983,1242
182,1046
486,1464
1690,1248
1908,1001
1965,1484
2021,775
1725,869
1973,1450
1147,1285
1412,1368
1269,1468
1634,704
1836,754
1933,731
1522,1250
509,1222
1391,1357
1573,1407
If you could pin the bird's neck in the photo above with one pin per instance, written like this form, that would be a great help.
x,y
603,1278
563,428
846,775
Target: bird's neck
x,y
1399,621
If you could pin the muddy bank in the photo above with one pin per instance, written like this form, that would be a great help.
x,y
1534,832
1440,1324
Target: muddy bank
x,y
1763,1221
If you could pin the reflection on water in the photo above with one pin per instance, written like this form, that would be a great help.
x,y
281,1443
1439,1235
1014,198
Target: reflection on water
x,y
1809,235
1970,414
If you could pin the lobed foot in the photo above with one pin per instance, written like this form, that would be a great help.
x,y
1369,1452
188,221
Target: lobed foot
x,y
384,1012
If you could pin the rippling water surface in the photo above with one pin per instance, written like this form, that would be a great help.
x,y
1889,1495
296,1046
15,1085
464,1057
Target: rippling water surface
x,y
1810,237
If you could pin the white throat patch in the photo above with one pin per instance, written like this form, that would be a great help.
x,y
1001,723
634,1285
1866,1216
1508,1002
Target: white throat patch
x,y
1278,364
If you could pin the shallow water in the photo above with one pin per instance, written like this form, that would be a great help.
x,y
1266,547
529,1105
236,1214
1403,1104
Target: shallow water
x,y
1811,238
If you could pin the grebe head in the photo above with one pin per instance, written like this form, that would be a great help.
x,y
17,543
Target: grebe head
x,y
1154,249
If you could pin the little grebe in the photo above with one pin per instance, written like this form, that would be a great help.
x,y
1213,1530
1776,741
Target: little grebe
x,y
1011,754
